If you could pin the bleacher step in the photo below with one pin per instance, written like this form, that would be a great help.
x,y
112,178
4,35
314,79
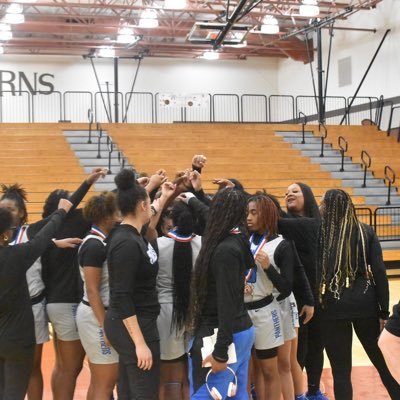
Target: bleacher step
x,y
353,175
88,155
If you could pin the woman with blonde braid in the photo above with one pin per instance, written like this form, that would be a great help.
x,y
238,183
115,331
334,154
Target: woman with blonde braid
x,y
353,290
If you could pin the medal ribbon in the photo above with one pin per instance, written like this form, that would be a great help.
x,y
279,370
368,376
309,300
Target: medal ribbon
x,y
96,231
256,251
179,238
19,236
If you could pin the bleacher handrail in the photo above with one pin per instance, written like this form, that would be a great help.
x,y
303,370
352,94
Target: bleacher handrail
x,y
390,123
323,136
110,148
344,146
366,161
90,119
390,179
303,124
99,136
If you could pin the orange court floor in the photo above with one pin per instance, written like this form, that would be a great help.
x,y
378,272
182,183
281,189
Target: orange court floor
x,y
366,382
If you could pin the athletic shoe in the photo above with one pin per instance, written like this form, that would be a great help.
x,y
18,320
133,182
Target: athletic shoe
x,y
317,396
300,397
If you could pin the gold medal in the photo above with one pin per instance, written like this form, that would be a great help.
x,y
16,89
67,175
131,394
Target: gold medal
x,y
248,289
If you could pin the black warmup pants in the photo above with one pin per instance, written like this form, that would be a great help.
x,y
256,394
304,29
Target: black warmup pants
x,y
133,382
14,375
310,350
338,338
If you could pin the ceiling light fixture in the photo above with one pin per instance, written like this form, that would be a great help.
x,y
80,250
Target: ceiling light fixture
x,y
148,19
106,52
127,36
270,25
309,8
210,55
174,4
15,8
14,18
127,39
4,27
6,35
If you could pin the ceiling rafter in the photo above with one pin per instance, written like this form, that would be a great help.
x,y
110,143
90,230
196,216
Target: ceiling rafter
x,y
80,26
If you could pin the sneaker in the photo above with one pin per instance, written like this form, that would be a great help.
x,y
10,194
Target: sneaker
x,y
317,396
300,397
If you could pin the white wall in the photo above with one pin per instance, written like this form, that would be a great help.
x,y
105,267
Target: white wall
x,y
155,75
255,76
383,78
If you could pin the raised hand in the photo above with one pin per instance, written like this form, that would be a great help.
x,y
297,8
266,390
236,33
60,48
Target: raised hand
x,y
199,160
96,174
157,179
167,189
222,183
143,181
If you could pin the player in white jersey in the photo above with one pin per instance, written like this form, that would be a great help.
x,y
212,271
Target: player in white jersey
x,y
275,260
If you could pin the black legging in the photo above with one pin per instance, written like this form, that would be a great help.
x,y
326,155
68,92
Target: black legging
x,y
135,383
310,351
338,337
14,376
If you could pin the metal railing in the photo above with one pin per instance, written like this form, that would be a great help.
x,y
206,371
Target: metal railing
x,y
90,119
387,223
99,137
390,178
365,215
145,107
366,161
384,220
253,108
110,148
323,135
391,120
343,145
303,125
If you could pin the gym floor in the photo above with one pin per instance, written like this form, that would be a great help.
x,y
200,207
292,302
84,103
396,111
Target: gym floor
x,y
366,382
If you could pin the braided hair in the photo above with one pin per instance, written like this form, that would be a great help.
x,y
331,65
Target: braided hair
x,y
18,195
227,211
340,239
182,264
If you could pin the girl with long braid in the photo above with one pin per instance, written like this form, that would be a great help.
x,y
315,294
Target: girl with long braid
x,y
353,291
217,300
178,251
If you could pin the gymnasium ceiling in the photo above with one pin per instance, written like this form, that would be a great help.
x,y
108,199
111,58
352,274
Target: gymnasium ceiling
x,y
59,27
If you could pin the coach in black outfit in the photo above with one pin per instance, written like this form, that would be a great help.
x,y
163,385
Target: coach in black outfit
x,y
131,319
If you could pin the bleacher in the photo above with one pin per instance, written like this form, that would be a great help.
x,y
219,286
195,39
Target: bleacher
x,y
250,153
38,157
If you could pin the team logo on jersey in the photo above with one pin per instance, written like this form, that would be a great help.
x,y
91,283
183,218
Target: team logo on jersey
x,y
151,253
